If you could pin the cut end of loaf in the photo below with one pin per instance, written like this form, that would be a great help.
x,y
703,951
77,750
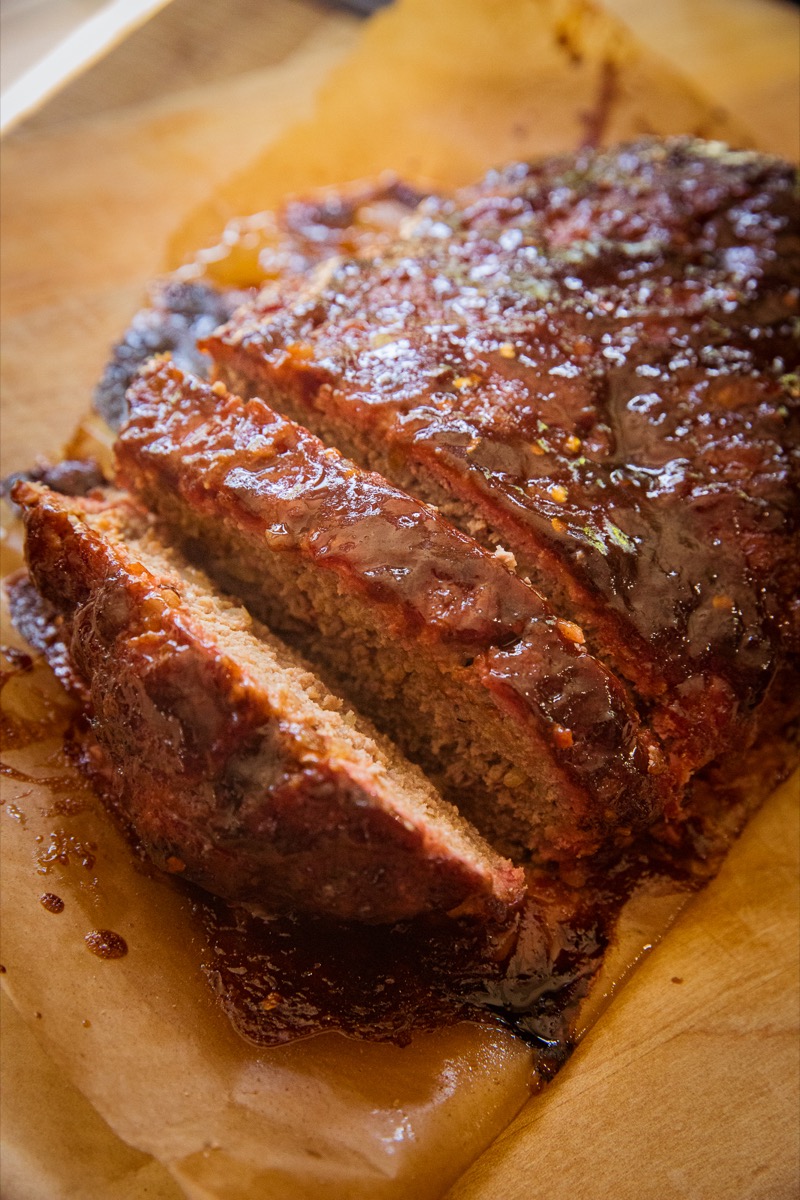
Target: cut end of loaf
x,y
235,759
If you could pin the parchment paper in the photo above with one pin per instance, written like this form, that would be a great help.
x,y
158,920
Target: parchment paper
x,y
438,92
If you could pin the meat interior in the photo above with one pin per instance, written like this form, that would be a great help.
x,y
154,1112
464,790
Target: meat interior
x,y
452,654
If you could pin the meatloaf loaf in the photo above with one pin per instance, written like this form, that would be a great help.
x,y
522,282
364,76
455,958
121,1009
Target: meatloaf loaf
x,y
592,362
588,366
236,766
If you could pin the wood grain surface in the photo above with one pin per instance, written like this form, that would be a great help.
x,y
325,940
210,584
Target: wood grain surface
x,y
688,1086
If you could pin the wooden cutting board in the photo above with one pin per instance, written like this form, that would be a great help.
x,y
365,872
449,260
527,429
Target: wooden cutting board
x,y
688,1086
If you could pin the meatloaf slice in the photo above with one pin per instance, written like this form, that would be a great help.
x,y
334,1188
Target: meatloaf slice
x,y
234,762
452,654
590,361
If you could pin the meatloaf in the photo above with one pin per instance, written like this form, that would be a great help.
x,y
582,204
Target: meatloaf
x,y
236,766
450,652
591,361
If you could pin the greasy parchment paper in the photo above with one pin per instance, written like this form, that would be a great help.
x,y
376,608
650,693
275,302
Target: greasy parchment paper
x,y
438,92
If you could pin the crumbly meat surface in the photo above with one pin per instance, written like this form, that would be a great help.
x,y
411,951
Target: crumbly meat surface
x,y
593,362
237,767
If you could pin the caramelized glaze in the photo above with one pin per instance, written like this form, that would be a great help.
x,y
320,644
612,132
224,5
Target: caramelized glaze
x,y
105,943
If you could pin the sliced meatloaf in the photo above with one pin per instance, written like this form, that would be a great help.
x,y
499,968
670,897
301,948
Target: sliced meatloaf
x,y
236,765
593,362
449,651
